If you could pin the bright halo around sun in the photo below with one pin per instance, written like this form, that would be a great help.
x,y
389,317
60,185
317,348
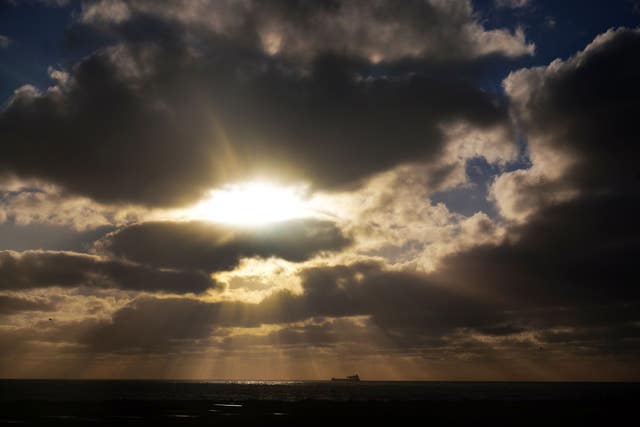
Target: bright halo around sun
x,y
252,203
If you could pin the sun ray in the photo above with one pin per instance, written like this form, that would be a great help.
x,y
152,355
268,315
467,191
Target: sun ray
x,y
251,203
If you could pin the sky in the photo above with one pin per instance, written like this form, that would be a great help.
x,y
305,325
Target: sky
x,y
244,189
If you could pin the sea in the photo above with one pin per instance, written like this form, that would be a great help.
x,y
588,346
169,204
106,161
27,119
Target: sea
x,y
291,391
150,402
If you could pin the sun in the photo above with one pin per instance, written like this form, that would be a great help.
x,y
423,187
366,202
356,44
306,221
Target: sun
x,y
252,203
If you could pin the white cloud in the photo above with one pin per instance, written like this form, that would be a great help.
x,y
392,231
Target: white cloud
x,y
24,203
521,193
114,11
392,217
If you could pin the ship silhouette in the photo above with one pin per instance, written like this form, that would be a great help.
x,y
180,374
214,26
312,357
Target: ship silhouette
x,y
352,378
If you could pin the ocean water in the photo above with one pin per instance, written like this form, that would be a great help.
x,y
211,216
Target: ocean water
x,y
296,403
295,391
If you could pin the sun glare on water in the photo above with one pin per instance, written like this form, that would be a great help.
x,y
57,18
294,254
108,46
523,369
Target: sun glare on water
x,y
252,203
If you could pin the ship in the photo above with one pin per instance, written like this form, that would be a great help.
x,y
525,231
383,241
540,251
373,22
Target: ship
x,y
350,378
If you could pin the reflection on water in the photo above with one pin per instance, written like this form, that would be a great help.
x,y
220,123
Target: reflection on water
x,y
230,393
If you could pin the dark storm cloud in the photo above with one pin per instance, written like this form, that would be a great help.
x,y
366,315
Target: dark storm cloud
x,y
584,110
594,107
100,136
413,312
394,299
573,263
566,280
212,247
380,30
583,251
317,332
174,325
405,304
159,123
154,325
38,269
12,304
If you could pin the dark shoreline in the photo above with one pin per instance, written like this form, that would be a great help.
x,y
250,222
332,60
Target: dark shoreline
x,y
315,412
135,402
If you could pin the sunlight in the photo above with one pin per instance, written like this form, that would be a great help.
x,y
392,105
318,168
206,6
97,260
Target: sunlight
x,y
252,203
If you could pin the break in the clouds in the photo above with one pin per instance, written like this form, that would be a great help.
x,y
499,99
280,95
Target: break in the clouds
x,y
469,210
4,41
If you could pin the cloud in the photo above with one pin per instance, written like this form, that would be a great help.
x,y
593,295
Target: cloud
x,y
562,279
578,116
51,3
13,304
212,247
323,332
393,217
24,203
367,309
416,312
513,4
133,103
155,325
4,42
567,276
406,303
568,258
523,192
38,269
111,123
379,31
576,252
77,112
557,271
